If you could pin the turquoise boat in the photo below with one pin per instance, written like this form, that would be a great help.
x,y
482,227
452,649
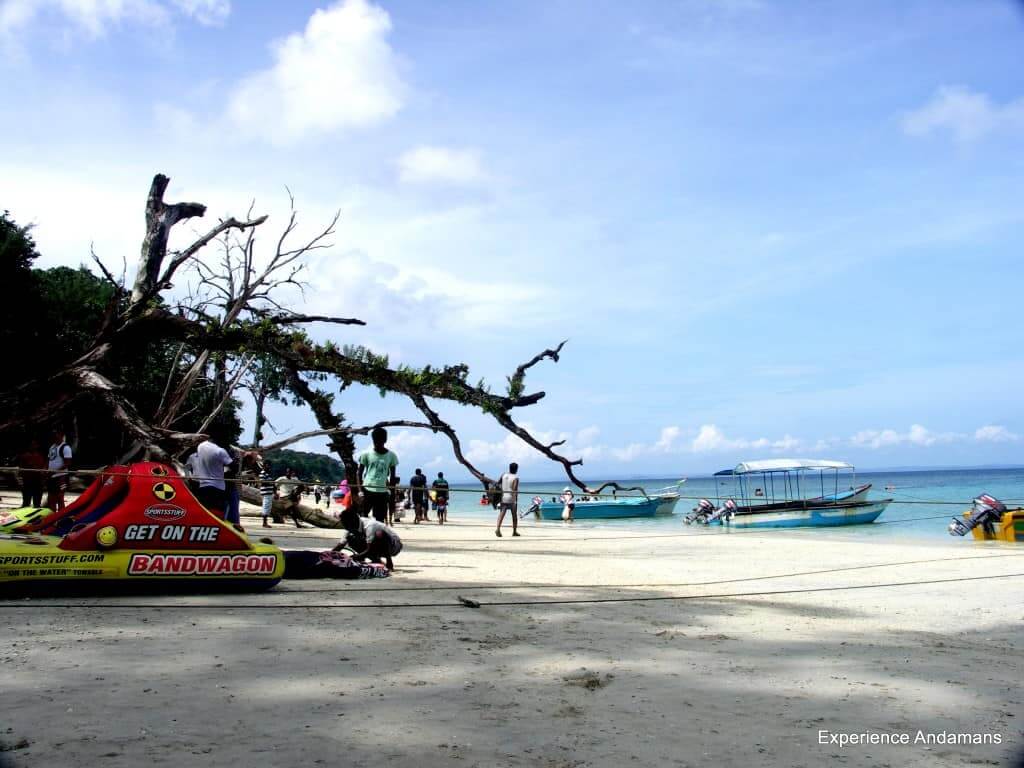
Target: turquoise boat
x,y
604,508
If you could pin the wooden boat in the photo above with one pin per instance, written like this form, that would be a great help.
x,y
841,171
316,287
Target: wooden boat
x,y
772,494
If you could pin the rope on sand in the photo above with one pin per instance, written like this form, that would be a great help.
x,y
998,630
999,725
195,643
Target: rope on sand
x,y
497,603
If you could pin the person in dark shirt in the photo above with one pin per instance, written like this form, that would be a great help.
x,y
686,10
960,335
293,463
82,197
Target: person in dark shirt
x,y
33,460
440,487
419,495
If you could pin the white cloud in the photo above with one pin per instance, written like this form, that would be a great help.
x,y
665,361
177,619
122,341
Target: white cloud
x,y
993,433
668,436
403,441
425,165
916,435
511,448
208,12
710,439
94,17
587,435
969,115
631,451
338,73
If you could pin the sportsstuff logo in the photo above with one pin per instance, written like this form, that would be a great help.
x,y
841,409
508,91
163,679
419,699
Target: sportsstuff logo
x,y
202,565
164,512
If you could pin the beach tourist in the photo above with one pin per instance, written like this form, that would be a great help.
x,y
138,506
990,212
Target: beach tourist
x,y
232,471
376,474
32,461
393,499
509,498
375,540
207,465
440,487
58,461
569,502
290,488
316,495
418,484
267,488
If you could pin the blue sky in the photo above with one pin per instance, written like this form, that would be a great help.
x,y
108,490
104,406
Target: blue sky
x,y
767,228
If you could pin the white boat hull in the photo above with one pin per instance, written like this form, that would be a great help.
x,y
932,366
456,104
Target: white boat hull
x,y
820,517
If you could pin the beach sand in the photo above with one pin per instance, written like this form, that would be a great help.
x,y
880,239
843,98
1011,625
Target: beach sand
x,y
325,673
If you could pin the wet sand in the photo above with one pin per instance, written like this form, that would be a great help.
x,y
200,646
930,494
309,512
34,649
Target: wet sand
x,y
399,672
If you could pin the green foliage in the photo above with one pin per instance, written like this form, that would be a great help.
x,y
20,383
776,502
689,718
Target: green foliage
x,y
515,387
17,248
19,320
72,307
308,466
50,317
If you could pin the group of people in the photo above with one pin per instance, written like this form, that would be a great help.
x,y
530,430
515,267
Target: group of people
x,y
49,471
217,473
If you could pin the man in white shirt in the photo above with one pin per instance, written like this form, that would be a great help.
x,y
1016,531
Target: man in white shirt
x,y
207,465
58,461
509,498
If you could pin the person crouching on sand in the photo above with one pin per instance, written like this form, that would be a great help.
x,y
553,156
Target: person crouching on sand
x,y
373,541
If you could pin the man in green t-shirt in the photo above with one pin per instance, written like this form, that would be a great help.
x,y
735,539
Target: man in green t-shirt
x,y
376,473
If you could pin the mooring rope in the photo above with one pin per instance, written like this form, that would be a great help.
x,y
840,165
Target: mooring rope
x,y
497,603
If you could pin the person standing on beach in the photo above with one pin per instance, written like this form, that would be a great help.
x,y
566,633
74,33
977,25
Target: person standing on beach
x,y
58,461
31,463
418,483
208,464
440,487
291,489
569,500
376,474
232,507
509,498
393,497
267,488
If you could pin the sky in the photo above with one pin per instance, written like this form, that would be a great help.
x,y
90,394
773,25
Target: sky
x,y
766,228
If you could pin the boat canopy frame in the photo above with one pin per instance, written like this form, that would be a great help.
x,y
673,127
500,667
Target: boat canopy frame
x,y
787,488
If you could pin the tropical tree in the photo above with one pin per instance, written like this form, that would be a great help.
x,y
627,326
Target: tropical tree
x,y
230,322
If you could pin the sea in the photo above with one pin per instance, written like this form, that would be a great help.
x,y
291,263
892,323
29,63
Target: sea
x,y
923,502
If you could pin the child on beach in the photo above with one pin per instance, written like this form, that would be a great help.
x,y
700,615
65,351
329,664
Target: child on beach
x,y
440,487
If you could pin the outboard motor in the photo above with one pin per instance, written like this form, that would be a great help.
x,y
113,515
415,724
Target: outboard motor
x,y
535,503
701,511
987,511
724,513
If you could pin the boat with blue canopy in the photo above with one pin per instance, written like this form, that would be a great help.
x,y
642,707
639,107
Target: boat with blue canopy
x,y
789,493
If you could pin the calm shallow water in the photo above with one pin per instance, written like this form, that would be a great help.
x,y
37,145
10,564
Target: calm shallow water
x,y
918,494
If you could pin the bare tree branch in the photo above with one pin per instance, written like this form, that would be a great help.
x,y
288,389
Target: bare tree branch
x,y
346,431
296,319
440,425
229,390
